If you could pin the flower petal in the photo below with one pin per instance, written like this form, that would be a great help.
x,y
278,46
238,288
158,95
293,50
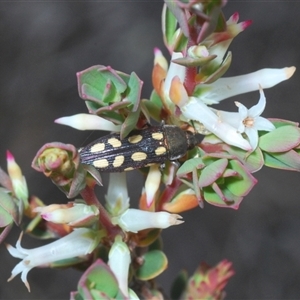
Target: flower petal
x,y
88,122
117,200
227,87
18,180
232,118
80,242
263,124
196,110
152,183
252,134
134,220
160,59
243,110
119,261
174,70
258,109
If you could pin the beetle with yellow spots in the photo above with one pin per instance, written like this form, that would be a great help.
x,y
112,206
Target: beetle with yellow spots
x,y
139,149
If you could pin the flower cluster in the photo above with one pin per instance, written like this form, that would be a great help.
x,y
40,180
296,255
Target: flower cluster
x,y
120,244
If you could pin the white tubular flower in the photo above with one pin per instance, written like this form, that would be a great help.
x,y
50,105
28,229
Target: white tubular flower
x,y
72,214
227,87
80,242
117,200
249,120
88,122
119,261
152,183
196,110
18,180
174,70
160,59
134,220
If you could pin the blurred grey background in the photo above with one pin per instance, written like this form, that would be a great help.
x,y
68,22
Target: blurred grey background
x,y
42,46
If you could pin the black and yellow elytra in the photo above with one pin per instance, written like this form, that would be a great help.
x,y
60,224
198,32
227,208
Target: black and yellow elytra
x,y
139,149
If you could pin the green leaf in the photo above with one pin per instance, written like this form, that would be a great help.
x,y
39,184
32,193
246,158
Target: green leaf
x,y
9,211
158,242
100,85
77,184
5,218
194,62
179,285
93,172
212,172
148,237
240,185
214,71
180,43
253,161
213,198
4,231
129,123
280,122
180,16
181,39
286,161
189,165
156,100
113,112
124,76
169,24
153,107
281,139
134,91
98,277
214,13
154,263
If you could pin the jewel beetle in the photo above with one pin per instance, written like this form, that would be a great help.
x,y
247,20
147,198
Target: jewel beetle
x,y
141,148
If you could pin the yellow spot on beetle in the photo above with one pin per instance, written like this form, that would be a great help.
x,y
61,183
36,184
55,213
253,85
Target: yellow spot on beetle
x,y
114,142
97,147
118,161
160,151
128,169
135,139
138,156
101,163
157,136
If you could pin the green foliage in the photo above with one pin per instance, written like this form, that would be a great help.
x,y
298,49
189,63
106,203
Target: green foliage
x,y
154,263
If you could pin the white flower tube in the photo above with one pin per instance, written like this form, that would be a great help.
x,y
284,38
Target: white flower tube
x,y
117,200
119,261
88,122
81,241
174,70
134,220
18,180
72,214
160,59
152,183
196,110
227,87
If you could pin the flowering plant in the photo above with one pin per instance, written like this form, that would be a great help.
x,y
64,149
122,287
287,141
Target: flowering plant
x,y
121,245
